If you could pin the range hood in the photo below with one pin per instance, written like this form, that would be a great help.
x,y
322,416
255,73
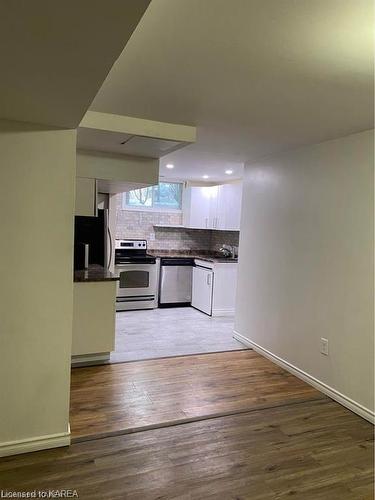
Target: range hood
x,y
132,136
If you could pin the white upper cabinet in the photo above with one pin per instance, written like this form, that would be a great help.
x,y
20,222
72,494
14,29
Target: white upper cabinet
x,y
213,207
197,207
230,200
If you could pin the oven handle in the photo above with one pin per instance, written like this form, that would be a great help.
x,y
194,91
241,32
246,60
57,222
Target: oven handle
x,y
140,263
139,298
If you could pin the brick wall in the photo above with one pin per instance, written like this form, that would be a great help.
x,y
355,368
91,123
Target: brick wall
x,y
137,224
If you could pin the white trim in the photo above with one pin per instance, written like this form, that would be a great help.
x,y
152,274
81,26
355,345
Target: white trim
x,y
357,408
101,357
223,312
152,209
35,444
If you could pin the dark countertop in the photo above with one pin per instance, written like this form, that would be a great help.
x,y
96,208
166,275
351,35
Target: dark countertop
x,y
208,257
94,273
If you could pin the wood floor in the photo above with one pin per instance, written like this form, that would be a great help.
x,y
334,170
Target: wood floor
x,y
119,398
309,451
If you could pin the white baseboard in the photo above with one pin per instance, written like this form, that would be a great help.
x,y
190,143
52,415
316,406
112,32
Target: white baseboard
x,y
35,444
362,411
87,359
223,312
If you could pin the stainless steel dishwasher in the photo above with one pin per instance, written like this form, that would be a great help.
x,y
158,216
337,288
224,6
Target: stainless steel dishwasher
x,y
175,281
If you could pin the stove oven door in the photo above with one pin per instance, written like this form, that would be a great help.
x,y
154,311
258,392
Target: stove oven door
x,y
137,285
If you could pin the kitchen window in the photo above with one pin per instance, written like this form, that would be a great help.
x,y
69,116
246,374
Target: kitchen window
x,y
163,196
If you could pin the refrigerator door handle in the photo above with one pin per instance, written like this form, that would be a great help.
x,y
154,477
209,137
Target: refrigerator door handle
x,y
110,247
107,232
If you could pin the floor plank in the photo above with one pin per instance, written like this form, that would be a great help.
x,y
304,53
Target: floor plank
x,y
111,399
310,451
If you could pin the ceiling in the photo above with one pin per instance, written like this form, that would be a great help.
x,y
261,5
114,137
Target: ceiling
x,y
254,76
56,54
192,165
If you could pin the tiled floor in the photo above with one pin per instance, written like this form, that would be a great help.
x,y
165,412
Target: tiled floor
x,y
157,333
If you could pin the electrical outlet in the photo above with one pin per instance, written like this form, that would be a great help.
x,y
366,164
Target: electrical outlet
x,y
324,346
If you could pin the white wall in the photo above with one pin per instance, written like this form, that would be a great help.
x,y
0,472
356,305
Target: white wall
x,y
37,173
107,166
306,261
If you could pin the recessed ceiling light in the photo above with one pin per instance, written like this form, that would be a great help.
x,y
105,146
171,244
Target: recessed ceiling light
x,y
169,165
229,172
205,176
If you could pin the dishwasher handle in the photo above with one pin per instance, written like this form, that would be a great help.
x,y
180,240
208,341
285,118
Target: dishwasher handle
x,y
171,261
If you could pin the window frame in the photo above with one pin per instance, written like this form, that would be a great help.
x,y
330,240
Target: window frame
x,y
125,206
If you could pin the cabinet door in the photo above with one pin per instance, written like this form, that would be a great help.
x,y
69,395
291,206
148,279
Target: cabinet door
x,y
85,203
228,207
218,208
232,199
204,206
224,293
202,289
197,209
215,207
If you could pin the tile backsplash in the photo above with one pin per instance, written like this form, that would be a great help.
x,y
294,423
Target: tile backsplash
x,y
139,224
218,238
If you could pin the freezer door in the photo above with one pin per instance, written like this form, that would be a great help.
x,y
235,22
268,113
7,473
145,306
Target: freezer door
x,y
175,284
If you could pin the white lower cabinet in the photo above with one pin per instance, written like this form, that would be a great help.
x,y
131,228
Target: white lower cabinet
x,y
94,317
202,289
214,287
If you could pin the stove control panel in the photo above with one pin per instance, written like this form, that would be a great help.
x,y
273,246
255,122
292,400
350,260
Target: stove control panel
x,y
131,245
